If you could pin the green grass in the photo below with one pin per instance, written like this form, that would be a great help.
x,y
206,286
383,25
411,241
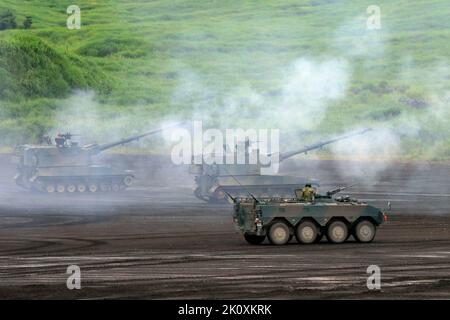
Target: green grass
x,y
135,56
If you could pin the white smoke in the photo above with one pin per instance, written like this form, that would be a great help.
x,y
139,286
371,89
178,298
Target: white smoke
x,y
92,122
354,40
422,129
307,86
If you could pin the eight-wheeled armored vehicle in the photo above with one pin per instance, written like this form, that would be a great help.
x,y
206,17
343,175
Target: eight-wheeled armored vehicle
x,y
65,166
215,181
279,219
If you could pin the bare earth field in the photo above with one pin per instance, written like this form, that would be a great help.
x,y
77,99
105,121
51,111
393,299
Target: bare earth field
x,y
156,240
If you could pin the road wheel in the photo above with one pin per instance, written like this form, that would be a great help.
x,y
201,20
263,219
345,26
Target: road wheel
x,y
128,180
50,188
61,188
279,233
104,187
364,231
115,187
81,187
337,232
253,238
93,187
71,188
306,232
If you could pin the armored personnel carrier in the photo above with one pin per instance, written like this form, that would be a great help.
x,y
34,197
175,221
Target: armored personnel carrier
x,y
279,219
214,182
65,166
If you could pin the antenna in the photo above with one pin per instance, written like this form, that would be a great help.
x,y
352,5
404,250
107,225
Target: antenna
x,y
251,195
229,195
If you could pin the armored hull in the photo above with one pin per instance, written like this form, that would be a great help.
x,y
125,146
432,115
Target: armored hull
x,y
67,167
215,189
280,220
214,181
94,178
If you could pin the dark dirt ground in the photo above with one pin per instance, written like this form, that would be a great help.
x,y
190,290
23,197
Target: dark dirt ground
x,y
157,240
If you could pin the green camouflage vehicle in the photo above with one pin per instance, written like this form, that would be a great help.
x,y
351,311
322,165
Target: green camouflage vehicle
x,y
65,166
280,219
215,181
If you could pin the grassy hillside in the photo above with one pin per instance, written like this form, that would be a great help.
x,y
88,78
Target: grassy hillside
x,y
137,62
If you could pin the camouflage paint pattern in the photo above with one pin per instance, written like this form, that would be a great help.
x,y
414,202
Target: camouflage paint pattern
x,y
247,211
214,181
68,164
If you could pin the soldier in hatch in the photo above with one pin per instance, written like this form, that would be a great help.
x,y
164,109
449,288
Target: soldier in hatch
x,y
60,140
308,193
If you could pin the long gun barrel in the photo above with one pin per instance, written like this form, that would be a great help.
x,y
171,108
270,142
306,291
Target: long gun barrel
x,y
320,144
97,148
338,189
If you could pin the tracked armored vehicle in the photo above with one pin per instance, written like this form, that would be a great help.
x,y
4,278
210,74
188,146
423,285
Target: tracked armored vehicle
x,y
280,219
65,166
214,182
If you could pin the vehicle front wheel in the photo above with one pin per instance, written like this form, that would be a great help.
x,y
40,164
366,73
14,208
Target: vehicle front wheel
x,y
279,233
253,238
364,231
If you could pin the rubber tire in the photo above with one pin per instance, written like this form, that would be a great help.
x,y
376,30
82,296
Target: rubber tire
x,y
115,187
71,188
306,224
357,231
254,239
282,226
330,232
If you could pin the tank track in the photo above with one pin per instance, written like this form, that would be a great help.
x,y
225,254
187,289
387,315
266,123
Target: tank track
x,y
82,184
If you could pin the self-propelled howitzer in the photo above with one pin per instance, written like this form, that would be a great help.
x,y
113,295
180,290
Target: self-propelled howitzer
x,y
65,166
215,181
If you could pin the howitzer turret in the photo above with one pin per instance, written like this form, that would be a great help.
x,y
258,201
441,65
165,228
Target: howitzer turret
x,y
215,181
68,167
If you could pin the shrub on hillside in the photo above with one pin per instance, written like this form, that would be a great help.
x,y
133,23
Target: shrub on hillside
x,y
31,67
131,48
27,22
7,20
